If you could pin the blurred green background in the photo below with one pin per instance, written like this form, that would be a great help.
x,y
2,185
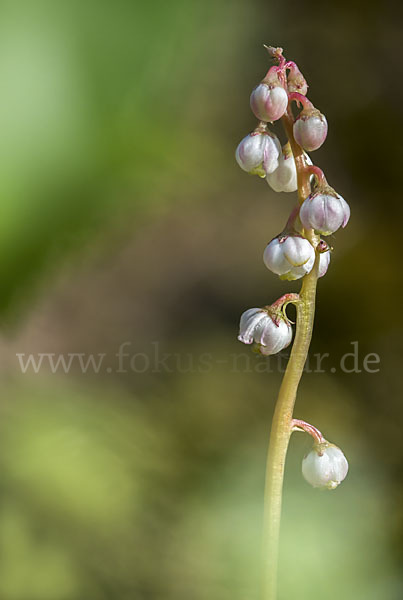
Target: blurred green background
x,y
124,220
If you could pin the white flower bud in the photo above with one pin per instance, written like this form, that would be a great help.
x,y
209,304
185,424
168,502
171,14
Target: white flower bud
x,y
289,256
269,101
325,466
258,153
310,129
324,260
284,178
325,211
271,333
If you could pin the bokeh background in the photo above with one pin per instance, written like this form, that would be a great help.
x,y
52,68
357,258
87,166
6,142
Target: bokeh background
x,y
125,223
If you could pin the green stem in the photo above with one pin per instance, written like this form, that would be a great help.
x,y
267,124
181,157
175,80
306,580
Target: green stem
x,y
281,432
282,420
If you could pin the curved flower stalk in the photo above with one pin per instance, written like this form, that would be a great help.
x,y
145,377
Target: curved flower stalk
x,y
297,252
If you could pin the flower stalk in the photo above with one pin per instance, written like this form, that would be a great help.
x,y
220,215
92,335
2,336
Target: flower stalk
x,y
281,430
298,425
296,253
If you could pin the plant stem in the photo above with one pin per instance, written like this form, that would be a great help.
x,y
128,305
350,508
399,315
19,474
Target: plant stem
x,y
282,420
281,432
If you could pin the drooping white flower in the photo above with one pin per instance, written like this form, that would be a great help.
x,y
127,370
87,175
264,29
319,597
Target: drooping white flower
x,y
325,211
325,466
269,101
284,177
271,333
258,153
289,256
324,260
310,129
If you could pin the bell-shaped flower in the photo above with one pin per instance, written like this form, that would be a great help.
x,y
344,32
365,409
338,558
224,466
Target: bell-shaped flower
x,y
269,101
325,211
284,178
258,153
324,258
270,330
310,129
325,466
289,256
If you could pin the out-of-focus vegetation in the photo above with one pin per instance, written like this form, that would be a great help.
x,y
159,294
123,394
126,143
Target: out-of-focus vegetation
x,y
125,220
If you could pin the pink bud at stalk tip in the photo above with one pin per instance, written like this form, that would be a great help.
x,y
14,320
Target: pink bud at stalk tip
x,y
296,81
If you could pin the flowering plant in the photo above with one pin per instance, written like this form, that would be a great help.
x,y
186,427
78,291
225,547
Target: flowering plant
x,y
298,252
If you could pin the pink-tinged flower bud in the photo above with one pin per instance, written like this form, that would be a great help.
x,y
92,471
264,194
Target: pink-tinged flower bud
x,y
325,466
325,211
310,129
258,153
296,81
269,101
289,256
271,333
